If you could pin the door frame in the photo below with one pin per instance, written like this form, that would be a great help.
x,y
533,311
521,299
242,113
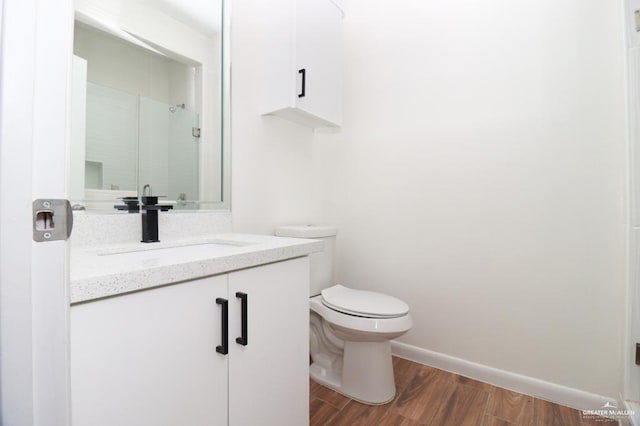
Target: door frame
x,y
35,63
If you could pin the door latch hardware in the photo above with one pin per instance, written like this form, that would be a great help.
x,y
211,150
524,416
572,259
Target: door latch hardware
x,y
52,220
195,132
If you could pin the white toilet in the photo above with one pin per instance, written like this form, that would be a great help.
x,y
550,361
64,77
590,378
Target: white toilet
x,y
350,329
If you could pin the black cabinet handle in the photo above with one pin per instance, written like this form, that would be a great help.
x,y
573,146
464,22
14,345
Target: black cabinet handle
x,y
244,338
304,82
224,347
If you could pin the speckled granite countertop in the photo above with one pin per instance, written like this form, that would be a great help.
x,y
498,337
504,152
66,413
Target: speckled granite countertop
x,y
110,270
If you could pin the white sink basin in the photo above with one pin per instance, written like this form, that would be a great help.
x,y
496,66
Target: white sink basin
x,y
178,253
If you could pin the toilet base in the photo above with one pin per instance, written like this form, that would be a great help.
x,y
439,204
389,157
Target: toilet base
x,y
365,374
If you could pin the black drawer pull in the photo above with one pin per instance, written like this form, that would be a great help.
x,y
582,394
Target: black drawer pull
x,y
224,347
244,338
304,82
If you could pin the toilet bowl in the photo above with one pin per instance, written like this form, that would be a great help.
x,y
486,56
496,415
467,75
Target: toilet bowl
x,y
351,351
350,330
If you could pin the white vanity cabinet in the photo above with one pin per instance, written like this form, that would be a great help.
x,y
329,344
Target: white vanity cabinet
x,y
154,357
302,72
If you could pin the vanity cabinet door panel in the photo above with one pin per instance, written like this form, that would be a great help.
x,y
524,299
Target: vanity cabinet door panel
x,y
269,377
149,358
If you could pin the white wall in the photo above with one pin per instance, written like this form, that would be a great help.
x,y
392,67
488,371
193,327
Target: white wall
x,y
480,176
120,65
272,178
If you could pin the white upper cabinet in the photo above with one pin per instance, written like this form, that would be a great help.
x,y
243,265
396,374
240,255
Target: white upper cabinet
x,y
302,65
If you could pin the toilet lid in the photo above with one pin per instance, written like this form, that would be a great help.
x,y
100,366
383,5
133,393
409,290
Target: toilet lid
x,y
363,303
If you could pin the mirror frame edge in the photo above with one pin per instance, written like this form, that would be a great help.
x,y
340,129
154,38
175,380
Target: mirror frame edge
x,y
225,203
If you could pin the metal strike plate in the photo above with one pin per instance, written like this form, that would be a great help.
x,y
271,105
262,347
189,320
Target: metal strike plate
x,y
52,220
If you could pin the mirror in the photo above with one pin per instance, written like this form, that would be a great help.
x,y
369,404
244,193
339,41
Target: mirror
x,y
149,99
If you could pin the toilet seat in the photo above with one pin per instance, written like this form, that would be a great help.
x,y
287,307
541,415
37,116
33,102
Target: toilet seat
x,y
382,328
367,304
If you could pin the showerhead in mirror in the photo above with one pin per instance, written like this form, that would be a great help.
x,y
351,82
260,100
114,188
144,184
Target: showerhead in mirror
x,y
173,108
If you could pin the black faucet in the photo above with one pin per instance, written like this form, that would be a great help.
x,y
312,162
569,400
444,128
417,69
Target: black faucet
x,y
149,213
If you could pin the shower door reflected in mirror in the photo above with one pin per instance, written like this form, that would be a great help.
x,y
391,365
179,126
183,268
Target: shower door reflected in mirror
x,y
150,76
168,157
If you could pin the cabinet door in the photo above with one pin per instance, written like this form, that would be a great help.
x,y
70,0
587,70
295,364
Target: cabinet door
x,y
319,53
269,377
149,358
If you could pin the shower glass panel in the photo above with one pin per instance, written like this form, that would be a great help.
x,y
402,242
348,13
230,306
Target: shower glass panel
x,y
169,152
184,155
154,147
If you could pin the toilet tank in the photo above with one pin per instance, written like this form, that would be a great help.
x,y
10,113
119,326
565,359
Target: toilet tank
x,y
321,262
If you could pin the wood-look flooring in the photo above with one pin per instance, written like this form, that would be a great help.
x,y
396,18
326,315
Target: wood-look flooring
x,y
428,396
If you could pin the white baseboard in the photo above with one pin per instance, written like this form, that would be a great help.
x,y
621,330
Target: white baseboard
x,y
547,391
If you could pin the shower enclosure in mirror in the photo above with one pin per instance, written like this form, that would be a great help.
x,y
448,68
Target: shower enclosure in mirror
x,y
148,103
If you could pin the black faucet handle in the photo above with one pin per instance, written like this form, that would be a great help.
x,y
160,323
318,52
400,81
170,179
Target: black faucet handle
x,y
158,207
131,204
